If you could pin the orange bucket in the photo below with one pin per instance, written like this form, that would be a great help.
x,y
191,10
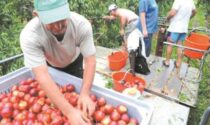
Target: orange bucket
x,y
197,41
117,60
122,80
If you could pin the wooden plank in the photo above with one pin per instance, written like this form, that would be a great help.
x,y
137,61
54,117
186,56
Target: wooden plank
x,y
160,77
183,70
159,74
174,85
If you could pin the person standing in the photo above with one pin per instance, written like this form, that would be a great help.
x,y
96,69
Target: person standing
x,y
179,17
61,39
148,22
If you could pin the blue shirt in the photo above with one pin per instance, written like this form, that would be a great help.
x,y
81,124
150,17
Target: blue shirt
x,y
150,8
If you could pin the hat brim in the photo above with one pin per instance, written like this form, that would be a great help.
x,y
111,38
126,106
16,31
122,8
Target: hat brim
x,y
54,15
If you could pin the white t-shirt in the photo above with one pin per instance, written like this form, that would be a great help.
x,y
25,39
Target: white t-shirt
x,y
179,23
39,45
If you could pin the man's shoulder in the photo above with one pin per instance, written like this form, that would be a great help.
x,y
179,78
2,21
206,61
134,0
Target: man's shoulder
x,y
77,18
79,22
31,32
32,26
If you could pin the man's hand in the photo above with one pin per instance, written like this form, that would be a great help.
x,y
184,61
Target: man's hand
x,y
105,17
77,117
145,33
86,105
122,32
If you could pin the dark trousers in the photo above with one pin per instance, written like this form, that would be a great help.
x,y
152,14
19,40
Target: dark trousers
x,y
74,68
148,43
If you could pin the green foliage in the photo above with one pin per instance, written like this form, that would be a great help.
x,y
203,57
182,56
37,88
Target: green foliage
x,y
15,13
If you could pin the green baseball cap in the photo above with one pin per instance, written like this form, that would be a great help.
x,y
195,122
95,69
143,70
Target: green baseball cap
x,y
50,11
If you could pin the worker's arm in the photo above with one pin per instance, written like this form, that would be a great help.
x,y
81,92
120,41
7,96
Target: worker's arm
x,y
143,24
109,17
193,13
52,91
122,25
171,14
85,103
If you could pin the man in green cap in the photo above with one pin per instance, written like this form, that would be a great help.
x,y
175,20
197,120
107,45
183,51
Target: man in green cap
x,y
63,40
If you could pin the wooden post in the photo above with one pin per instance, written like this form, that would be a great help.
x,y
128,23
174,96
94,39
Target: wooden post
x,y
160,39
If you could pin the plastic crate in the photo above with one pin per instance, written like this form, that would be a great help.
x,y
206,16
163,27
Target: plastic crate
x,y
136,108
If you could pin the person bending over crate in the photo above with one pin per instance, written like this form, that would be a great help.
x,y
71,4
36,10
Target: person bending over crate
x,y
128,21
178,17
61,39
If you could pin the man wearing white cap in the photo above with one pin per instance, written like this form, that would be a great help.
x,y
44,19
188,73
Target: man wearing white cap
x,y
128,29
128,19
61,39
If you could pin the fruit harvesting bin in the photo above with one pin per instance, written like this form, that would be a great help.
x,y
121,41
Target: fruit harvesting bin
x,y
138,109
197,41
117,60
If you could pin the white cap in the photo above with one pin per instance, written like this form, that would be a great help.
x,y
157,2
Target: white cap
x,y
112,7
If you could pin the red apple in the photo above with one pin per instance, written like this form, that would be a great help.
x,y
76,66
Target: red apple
x,y
21,95
99,116
125,117
73,100
57,121
41,101
108,109
41,93
33,92
29,80
93,97
20,117
113,123
121,122
24,88
23,105
15,93
15,112
70,88
2,96
32,100
133,121
106,120
14,87
46,118
14,99
6,112
115,116
31,116
5,121
36,108
101,101
122,109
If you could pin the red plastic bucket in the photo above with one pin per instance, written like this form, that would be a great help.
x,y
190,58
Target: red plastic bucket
x,y
197,41
117,60
129,81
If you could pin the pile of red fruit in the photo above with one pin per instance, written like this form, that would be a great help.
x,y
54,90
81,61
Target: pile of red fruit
x,y
27,104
